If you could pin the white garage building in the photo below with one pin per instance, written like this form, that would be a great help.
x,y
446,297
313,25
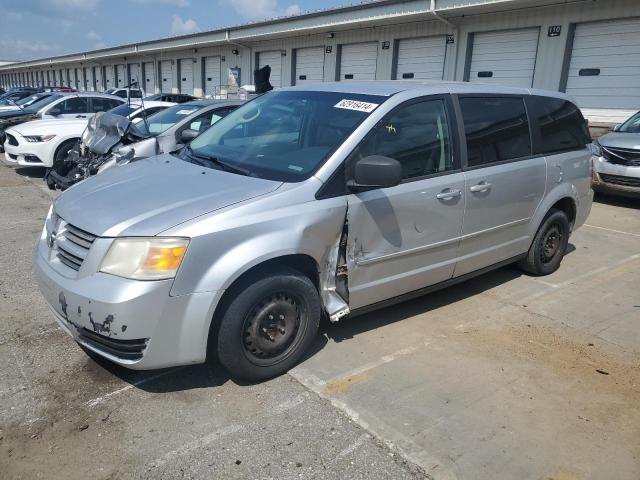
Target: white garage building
x,y
588,48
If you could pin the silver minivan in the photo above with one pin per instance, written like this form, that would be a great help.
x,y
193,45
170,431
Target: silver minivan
x,y
323,200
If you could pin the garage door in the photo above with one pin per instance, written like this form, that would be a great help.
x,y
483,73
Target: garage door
x,y
134,74
421,58
186,76
604,71
121,71
166,70
88,79
358,61
110,77
507,57
274,60
309,65
149,78
212,75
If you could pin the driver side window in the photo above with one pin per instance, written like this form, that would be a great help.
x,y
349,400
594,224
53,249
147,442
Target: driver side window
x,y
414,134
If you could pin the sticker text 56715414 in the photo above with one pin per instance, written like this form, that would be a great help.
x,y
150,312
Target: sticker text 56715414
x,y
356,105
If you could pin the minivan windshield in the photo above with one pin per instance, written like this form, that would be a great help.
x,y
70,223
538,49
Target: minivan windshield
x,y
36,106
632,125
283,135
167,118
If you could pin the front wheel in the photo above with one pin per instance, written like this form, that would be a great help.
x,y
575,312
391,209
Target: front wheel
x,y
549,245
269,325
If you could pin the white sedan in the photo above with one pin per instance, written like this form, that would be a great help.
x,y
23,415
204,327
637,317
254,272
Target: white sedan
x,y
40,143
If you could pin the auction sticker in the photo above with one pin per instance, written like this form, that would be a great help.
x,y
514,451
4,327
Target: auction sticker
x,y
356,105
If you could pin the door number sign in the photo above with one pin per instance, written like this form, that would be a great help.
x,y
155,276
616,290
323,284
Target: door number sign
x,y
554,31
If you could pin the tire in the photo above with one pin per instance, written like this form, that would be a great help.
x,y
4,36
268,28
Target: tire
x,y
549,245
59,158
268,326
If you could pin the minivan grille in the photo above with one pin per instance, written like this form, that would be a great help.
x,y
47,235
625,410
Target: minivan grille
x,y
620,180
622,156
73,245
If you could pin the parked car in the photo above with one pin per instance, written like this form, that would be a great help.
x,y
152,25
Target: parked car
x,y
311,201
59,89
60,105
9,104
47,142
133,94
171,97
15,96
109,142
617,168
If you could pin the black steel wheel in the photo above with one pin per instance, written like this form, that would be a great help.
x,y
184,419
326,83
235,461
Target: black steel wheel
x,y
548,246
268,326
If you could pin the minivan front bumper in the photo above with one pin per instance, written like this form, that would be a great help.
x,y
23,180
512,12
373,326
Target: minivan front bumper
x,y
132,323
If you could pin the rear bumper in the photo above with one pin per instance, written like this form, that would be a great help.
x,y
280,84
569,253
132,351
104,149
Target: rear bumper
x,y
134,324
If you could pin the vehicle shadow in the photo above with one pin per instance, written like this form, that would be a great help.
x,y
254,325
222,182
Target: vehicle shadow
x,y
349,329
617,201
31,172
176,379
211,374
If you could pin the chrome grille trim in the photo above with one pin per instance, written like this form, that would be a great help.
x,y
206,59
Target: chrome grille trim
x,y
69,260
72,244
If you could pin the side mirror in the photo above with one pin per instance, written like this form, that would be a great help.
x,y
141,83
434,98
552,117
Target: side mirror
x,y
187,135
54,112
376,171
615,128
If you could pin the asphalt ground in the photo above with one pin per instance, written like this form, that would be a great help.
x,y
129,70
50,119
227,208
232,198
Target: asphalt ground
x,y
502,377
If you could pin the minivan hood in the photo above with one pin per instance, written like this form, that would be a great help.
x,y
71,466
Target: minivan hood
x,y
620,140
149,196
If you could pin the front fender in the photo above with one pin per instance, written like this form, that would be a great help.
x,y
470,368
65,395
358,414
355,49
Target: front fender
x,y
235,243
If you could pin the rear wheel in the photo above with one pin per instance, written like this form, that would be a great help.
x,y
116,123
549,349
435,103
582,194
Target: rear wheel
x,y
548,246
268,326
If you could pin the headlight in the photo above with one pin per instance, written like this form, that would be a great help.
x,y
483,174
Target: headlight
x,y
38,138
141,258
596,148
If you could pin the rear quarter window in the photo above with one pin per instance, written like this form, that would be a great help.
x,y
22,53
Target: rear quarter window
x,y
557,124
496,129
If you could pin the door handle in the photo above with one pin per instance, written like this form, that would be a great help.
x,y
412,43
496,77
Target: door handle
x,y
81,116
449,194
480,187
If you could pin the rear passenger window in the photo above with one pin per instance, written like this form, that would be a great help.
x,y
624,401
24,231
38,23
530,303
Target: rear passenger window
x,y
558,125
496,128
75,105
100,104
416,135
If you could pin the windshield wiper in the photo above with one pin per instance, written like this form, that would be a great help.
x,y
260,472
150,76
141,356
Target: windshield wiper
x,y
216,161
